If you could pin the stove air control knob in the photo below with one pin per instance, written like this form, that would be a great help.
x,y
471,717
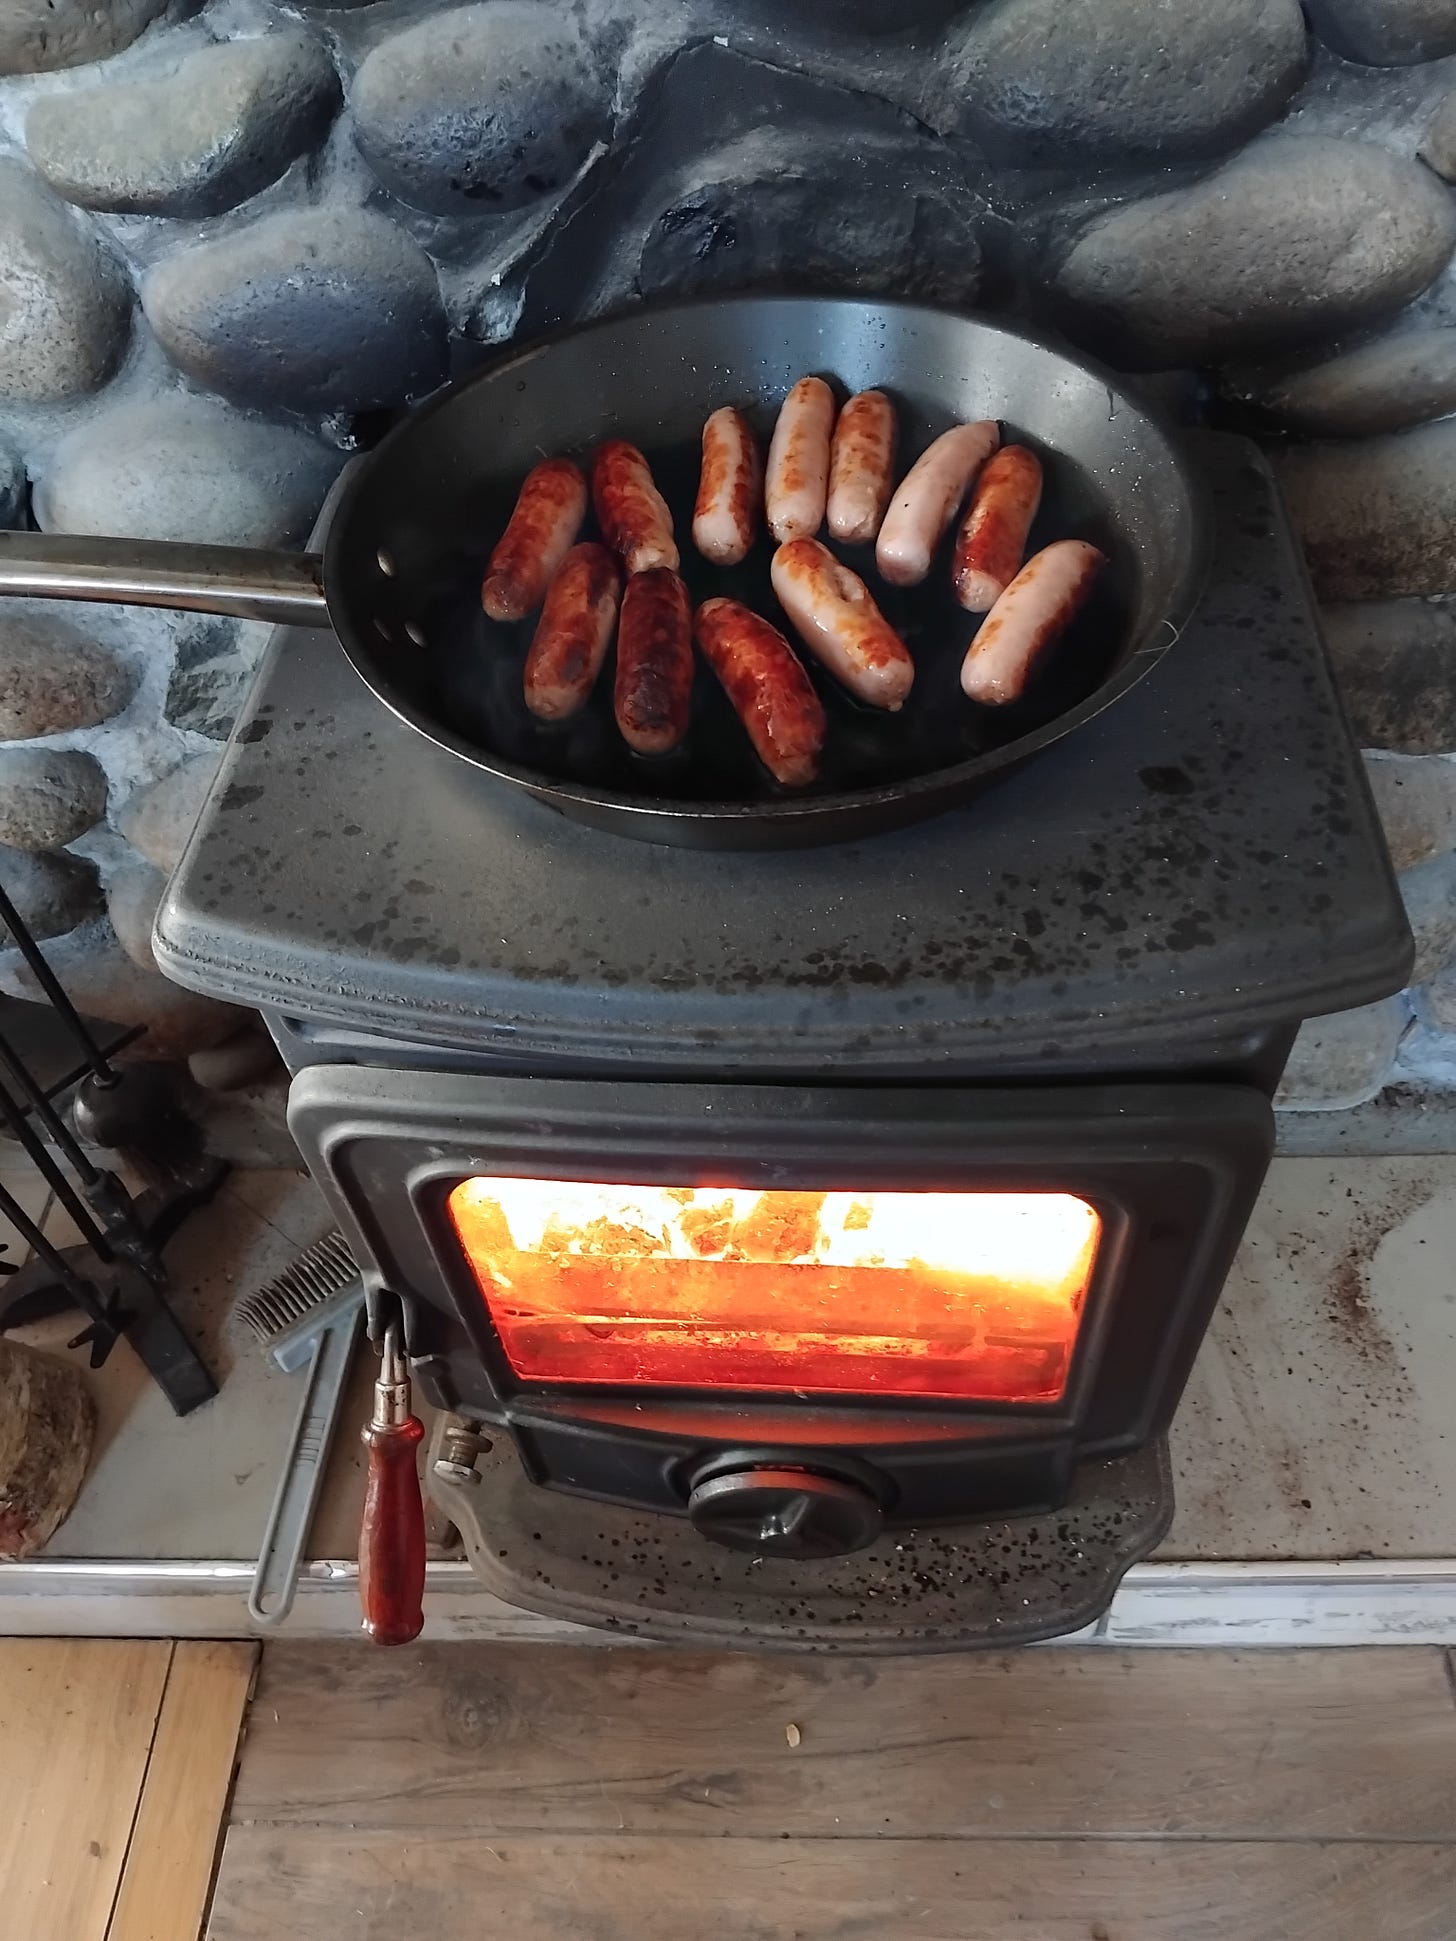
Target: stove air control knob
x,y
780,1512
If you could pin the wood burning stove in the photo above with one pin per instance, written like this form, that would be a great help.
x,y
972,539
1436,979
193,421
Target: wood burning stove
x,y
858,1208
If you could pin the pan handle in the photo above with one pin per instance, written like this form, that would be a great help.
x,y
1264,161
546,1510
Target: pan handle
x,y
286,588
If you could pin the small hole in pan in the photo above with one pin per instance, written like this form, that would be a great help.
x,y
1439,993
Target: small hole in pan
x,y
386,563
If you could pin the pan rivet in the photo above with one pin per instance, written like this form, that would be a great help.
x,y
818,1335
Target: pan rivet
x,y
381,627
416,634
386,563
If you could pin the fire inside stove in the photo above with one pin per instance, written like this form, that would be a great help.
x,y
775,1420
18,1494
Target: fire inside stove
x,y
963,1296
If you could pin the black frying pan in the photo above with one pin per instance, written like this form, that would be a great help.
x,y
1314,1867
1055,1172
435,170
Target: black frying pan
x,y
400,575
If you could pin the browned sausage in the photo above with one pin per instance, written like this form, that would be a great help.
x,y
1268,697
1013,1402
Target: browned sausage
x,y
547,518
796,484
573,634
730,489
654,661
1034,611
861,467
833,614
632,513
773,696
991,543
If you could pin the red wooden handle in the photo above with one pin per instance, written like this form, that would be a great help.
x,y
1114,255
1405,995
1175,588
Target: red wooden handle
x,y
392,1539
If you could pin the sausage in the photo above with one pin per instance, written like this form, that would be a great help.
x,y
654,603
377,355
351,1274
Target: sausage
x,y
654,661
929,498
796,485
1033,612
540,533
573,634
632,513
991,543
773,696
833,614
861,467
730,487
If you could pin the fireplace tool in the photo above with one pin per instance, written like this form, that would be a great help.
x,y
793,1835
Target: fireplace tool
x,y
115,1274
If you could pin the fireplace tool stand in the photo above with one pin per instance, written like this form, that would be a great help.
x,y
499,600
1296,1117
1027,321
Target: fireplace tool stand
x,y
115,1275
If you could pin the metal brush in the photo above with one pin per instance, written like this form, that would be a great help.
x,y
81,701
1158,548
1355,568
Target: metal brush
x,y
310,1318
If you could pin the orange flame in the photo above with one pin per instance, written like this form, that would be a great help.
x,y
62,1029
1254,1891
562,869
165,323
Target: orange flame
x,y
955,1295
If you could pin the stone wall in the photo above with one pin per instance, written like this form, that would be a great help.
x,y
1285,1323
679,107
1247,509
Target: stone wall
x,y
233,235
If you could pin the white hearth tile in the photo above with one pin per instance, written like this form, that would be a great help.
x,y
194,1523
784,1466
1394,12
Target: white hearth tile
x,y
1319,1420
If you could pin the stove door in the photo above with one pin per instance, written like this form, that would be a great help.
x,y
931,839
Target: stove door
x,y
948,1295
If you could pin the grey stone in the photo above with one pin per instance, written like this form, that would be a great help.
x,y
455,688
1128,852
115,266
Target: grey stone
x,y
773,208
1415,796
1438,145
1386,33
13,488
37,36
1300,235
1429,894
214,127
1044,80
479,109
317,310
52,893
1440,1000
53,679
1344,1059
1380,387
132,897
49,796
185,468
103,982
207,696
247,1058
65,301
1395,661
157,820
1376,518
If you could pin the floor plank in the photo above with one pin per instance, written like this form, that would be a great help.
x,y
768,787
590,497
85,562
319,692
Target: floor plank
x,y
76,1724
328,1884
560,1739
168,1871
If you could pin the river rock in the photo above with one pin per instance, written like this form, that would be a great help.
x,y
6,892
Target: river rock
x,y
1344,1059
65,302
1386,33
39,35
1047,81
315,310
185,468
1438,145
480,109
1396,664
52,893
214,127
1300,235
1416,799
13,488
53,679
1380,387
132,897
49,796
157,820
103,982
1429,894
1377,517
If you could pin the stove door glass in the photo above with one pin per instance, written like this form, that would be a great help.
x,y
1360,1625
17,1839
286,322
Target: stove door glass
x,y
971,1296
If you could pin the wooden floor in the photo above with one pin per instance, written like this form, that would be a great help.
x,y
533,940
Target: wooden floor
x,y
556,1793
546,1792
115,1763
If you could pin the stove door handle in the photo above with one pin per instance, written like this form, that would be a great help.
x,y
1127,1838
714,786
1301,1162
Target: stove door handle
x,y
284,588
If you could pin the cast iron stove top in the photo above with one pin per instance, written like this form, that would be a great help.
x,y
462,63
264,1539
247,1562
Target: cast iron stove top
x,y
1201,859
